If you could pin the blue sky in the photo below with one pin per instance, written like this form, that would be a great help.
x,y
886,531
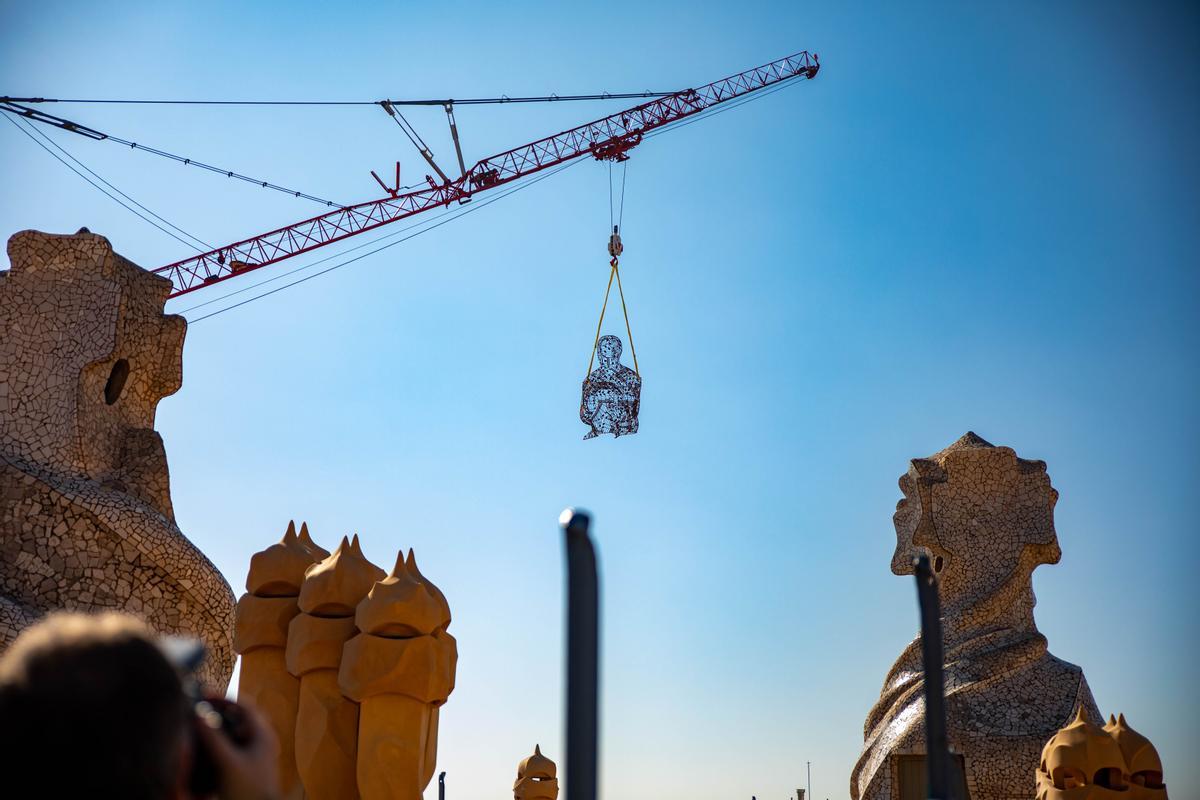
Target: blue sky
x,y
978,218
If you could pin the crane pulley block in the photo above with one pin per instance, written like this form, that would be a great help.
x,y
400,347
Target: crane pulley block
x,y
615,248
616,148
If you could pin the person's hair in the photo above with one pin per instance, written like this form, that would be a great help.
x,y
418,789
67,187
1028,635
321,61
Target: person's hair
x,y
90,707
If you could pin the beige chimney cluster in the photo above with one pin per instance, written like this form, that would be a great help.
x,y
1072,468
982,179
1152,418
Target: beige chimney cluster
x,y
349,665
1084,761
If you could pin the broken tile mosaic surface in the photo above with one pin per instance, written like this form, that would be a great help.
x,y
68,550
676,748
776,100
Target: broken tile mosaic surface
x,y
86,521
986,519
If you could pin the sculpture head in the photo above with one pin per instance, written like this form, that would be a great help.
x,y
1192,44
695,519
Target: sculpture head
x,y
981,513
608,349
89,364
536,778
86,354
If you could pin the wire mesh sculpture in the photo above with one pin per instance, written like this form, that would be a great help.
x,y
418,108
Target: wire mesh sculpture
x,y
612,393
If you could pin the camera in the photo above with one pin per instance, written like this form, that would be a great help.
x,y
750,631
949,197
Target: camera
x,y
187,655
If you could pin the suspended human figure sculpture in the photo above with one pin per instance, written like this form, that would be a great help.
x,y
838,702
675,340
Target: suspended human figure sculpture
x,y
612,393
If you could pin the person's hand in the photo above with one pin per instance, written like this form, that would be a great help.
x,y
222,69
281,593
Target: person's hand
x,y
246,756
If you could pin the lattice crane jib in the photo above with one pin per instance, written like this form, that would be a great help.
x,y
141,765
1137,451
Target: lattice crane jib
x,y
609,138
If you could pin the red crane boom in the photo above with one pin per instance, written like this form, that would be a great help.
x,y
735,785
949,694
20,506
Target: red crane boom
x,y
608,138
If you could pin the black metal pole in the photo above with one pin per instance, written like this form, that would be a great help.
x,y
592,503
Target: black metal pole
x,y
937,747
583,657
441,786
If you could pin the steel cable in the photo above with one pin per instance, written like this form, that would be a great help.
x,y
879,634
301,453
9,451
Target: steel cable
x,y
114,188
438,224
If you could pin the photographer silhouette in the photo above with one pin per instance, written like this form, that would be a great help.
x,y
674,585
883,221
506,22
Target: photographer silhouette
x,y
96,706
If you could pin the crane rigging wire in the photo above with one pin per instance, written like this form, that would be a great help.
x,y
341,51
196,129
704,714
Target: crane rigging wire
x,y
454,215
7,105
418,224
615,246
615,222
471,101
447,218
712,112
67,125
405,229
91,133
203,244
101,189
437,222
616,216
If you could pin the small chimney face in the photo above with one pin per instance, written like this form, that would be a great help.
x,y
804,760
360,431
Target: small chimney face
x,y
334,586
537,778
400,669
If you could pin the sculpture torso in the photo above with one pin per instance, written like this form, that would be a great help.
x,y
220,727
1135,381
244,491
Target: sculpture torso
x,y
611,394
986,518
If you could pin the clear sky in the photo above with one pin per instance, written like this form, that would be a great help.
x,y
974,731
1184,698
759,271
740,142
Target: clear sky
x,y
978,218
